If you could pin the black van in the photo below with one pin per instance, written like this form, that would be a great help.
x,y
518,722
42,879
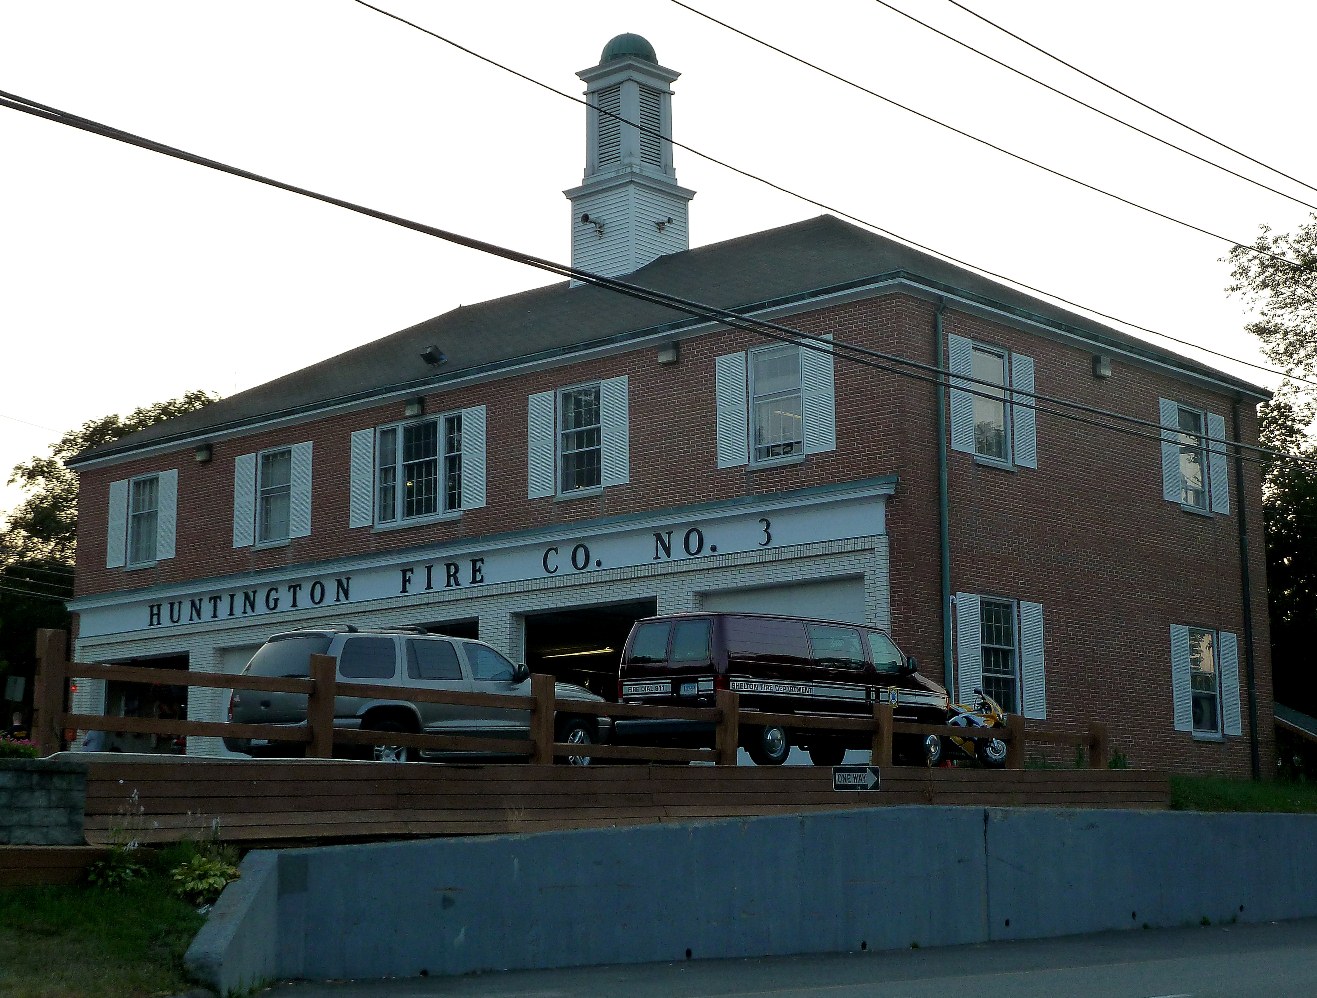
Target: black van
x,y
778,664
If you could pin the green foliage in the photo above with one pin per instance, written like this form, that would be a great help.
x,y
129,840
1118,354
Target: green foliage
x,y
1118,761
1216,793
200,879
17,748
120,867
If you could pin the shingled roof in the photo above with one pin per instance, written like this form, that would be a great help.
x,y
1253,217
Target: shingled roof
x,y
792,263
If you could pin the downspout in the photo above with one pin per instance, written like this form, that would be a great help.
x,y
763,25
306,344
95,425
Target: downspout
x,y
1246,596
943,503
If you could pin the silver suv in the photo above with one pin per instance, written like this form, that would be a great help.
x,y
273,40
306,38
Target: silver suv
x,y
405,657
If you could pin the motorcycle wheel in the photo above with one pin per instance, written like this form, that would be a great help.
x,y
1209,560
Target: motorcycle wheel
x,y
992,753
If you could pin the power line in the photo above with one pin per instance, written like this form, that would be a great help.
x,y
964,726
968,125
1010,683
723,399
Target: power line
x,y
765,328
18,573
56,573
1133,99
25,422
843,213
1096,110
991,145
29,594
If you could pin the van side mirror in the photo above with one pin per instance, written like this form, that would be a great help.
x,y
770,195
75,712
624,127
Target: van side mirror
x,y
520,672
911,665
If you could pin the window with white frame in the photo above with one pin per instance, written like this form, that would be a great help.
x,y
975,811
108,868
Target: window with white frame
x,y
999,649
1205,681
774,404
578,439
992,415
272,495
143,519
1195,472
421,469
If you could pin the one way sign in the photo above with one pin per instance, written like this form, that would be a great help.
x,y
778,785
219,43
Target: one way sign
x,y
855,778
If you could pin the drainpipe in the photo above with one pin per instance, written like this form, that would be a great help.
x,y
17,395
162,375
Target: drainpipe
x,y
943,503
1246,597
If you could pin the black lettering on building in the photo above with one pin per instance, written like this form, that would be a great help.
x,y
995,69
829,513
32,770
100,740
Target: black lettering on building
x,y
662,545
429,578
272,598
317,593
293,589
249,602
451,569
233,599
153,614
693,542
580,557
547,570
194,610
214,607
341,587
175,611
477,571
406,581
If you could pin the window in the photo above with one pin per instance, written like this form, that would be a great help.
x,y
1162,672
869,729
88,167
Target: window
x,y
272,495
774,404
1205,681
838,647
1195,472
408,472
886,656
367,658
650,643
432,659
487,665
578,439
999,649
690,641
143,513
274,491
988,418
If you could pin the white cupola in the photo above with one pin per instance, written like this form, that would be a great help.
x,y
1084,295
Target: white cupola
x,y
629,209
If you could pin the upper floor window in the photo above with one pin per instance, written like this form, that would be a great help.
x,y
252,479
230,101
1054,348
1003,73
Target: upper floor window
x,y
774,404
1195,473
272,495
141,520
999,649
409,472
988,419
1205,681
578,439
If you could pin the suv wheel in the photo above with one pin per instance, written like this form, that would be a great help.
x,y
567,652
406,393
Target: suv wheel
x,y
388,753
575,731
769,746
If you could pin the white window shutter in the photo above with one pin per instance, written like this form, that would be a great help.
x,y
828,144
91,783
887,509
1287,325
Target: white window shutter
x,y
540,449
960,362
615,432
1181,694
1230,719
299,493
1024,436
473,457
818,394
1172,483
361,479
969,651
167,518
116,526
1218,466
1032,676
733,417
244,500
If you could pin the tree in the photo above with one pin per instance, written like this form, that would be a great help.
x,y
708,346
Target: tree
x,y
1284,299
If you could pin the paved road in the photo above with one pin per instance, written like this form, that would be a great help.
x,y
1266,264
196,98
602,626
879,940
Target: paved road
x,y
1275,960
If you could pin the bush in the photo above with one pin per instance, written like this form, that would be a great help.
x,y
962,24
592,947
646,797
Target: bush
x,y
17,748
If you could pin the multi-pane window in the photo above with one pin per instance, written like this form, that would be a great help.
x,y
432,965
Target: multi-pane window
x,y
580,445
143,519
1193,488
997,646
274,494
990,411
419,468
776,403
1204,680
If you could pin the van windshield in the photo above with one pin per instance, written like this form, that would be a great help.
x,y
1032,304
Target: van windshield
x,y
287,656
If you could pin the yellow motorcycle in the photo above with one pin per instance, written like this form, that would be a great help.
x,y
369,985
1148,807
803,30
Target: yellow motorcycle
x,y
986,713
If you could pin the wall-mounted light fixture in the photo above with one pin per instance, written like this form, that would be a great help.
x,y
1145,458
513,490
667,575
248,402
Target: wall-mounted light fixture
x,y
203,453
667,353
597,222
433,356
1101,365
414,407
662,223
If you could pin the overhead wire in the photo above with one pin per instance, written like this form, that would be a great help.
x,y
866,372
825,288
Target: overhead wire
x,y
842,213
870,358
1130,97
33,595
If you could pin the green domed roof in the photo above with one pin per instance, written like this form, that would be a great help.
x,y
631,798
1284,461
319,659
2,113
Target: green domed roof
x,y
628,45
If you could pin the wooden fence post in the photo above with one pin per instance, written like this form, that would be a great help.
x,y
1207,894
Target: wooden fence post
x,y
1015,745
1097,745
320,706
48,690
542,688
880,753
729,726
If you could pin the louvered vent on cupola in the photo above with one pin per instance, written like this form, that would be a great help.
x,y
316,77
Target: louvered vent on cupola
x,y
610,125
651,125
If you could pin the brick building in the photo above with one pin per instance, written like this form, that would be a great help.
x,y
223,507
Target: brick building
x,y
542,469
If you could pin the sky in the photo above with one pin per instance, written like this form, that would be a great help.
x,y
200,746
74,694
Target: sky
x,y
127,278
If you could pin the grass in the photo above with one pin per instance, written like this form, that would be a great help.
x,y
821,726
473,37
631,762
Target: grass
x,y
80,942
1214,793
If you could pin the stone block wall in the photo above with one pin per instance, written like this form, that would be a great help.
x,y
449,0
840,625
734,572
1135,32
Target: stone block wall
x,y
42,802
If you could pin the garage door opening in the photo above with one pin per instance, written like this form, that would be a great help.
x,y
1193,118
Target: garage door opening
x,y
583,645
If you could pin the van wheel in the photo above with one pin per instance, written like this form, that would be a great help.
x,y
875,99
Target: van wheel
x,y
827,753
769,746
575,731
388,753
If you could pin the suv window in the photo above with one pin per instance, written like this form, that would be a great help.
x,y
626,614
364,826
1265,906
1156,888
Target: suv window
x,y
287,656
488,665
690,641
367,658
758,637
839,647
432,659
886,657
650,643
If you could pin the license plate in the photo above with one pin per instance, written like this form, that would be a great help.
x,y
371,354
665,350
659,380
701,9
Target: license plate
x,y
689,689
647,689
260,743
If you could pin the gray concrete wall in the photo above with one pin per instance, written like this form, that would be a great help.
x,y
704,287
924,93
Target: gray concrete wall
x,y
832,882
42,802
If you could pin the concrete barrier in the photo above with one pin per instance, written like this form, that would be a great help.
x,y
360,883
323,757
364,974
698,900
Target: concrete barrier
x,y
825,882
